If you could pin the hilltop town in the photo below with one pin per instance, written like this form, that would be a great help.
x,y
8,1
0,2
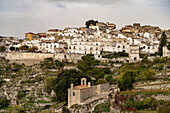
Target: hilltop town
x,y
98,38
97,68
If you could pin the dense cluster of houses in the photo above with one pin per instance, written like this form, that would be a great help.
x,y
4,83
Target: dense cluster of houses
x,y
96,39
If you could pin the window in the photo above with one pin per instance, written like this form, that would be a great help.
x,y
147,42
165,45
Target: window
x,y
73,93
96,48
118,46
119,41
97,44
123,47
91,48
74,47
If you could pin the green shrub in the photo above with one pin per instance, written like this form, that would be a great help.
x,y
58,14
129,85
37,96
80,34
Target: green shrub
x,y
104,107
21,94
4,102
106,70
165,108
65,110
2,82
149,103
100,81
126,80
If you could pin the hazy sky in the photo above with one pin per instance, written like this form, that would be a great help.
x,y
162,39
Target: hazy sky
x,y
20,16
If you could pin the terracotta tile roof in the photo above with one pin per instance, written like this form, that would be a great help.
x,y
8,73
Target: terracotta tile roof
x,y
81,87
29,33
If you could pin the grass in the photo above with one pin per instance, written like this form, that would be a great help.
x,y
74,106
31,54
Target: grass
x,y
58,105
155,84
104,107
42,101
40,93
145,92
147,111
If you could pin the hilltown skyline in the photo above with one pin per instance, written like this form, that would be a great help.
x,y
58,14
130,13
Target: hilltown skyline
x,y
39,16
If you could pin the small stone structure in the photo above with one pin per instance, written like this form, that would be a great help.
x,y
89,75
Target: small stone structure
x,y
80,93
166,52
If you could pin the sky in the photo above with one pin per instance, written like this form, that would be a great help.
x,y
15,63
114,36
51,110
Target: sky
x,y
20,16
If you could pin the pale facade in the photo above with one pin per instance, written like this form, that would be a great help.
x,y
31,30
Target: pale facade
x,y
166,52
78,94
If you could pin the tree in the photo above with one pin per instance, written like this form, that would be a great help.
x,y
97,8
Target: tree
x,y
33,49
59,64
162,43
2,48
48,63
4,102
168,46
145,59
23,47
96,73
165,108
89,22
17,49
65,110
12,48
126,80
87,63
62,83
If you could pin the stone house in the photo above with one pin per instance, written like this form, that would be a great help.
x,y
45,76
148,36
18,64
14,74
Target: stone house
x,y
134,52
78,94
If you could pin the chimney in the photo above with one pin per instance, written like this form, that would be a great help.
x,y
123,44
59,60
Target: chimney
x,y
72,86
89,84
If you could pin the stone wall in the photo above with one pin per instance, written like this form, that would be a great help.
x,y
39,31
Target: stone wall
x,y
28,56
102,88
34,58
85,94
73,99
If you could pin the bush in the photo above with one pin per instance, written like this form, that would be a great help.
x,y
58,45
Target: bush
x,y
145,59
12,48
4,102
106,70
109,78
65,110
126,81
100,81
96,73
33,49
23,47
149,103
2,48
2,82
104,107
165,108
21,94
168,46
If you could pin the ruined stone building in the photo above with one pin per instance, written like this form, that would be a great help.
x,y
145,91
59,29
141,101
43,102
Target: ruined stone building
x,y
78,94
